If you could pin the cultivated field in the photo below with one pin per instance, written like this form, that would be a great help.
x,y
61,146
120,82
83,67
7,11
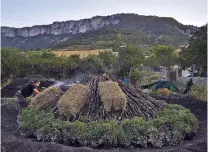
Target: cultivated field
x,y
82,53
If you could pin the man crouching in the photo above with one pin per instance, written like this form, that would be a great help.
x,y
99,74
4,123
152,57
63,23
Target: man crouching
x,y
26,91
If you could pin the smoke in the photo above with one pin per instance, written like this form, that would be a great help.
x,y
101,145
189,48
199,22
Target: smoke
x,y
68,83
58,83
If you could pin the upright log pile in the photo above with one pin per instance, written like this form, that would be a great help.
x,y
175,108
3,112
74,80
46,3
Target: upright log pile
x,y
134,101
138,103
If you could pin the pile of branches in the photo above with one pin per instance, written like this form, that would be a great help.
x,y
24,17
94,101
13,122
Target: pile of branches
x,y
138,103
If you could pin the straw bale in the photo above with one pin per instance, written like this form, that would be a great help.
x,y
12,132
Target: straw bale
x,y
112,96
73,100
45,98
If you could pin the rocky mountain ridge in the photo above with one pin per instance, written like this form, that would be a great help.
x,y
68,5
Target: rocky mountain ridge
x,y
160,30
56,28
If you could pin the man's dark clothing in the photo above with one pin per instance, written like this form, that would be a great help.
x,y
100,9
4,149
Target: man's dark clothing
x,y
21,101
27,90
188,87
22,94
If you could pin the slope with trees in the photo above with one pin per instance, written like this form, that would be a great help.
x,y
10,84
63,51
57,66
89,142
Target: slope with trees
x,y
196,52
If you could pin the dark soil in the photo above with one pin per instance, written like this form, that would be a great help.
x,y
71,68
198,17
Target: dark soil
x,y
13,142
10,90
197,106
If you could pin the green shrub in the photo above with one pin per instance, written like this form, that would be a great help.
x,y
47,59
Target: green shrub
x,y
155,77
17,63
92,63
8,100
6,82
135,132
38,123
199,91
11,60
169,128
180,120
144,77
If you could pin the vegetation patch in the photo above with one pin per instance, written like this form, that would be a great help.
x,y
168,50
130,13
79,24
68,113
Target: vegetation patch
x,y
6,82
144,77
199,91
171,126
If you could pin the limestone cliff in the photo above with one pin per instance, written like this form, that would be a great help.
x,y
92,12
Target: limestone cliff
x,y
67,27
99,32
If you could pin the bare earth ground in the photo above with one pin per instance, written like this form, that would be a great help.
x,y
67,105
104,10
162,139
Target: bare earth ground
x,y
11,141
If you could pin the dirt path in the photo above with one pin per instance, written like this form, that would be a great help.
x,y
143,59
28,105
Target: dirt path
x,y
13,142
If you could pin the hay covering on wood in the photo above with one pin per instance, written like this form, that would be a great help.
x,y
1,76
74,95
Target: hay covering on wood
x,y
101,98
46,98
73,100
112,96
138,103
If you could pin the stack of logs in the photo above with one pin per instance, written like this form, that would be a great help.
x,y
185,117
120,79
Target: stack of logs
x,y
138,103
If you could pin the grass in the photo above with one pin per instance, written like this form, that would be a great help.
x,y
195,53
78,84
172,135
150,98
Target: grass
x,y
199,91
8,81
5,101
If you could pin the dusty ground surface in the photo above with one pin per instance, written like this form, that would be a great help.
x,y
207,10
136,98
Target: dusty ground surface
x,y
13,142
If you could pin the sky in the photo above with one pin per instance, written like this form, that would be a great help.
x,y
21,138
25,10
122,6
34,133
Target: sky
x,y
21,13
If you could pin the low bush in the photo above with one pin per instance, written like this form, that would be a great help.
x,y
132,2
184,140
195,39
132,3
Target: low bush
x,y
6,82
144,77
199,91
172,125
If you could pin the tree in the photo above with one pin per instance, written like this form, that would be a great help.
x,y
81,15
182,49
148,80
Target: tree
x,y
196,52
128,58
46,54
151,61
92,64
108,58
75,57
10,62
162,56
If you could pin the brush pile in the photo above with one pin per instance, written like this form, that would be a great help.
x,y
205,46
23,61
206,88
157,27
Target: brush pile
x,y
100,98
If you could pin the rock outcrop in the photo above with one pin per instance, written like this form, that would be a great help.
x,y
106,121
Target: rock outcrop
x,y
99,32
67,27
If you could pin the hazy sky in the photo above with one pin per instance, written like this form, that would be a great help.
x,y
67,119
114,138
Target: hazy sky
x,y
20,13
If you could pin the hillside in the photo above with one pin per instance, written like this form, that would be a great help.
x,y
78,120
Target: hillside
x,y
99,32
